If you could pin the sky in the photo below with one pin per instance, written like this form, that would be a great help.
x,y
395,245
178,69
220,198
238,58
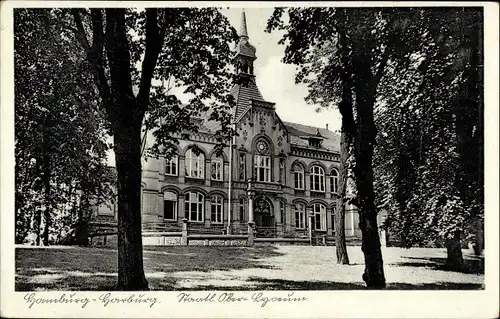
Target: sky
x,y
276,80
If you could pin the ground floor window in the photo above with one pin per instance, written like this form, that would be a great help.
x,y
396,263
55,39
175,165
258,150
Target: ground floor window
x,y
319,211
334,210
282,212
169,205
242,209
216,209
194,206
300,216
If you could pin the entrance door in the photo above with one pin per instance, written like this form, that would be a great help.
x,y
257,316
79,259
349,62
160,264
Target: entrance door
x,y
263,213
264,218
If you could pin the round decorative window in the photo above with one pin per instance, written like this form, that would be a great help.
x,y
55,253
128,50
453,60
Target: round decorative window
x,y
262,147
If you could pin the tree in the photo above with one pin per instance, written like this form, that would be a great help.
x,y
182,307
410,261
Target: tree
x,y
126,50
368,39
58,130
433,182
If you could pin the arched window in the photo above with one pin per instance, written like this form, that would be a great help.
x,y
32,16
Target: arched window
x,y
334,181
319,211
169,205
217,169
300,216
298,173
242,209
194,203
282,212
171,166
216,206
262,162
195,164
334,210
317,179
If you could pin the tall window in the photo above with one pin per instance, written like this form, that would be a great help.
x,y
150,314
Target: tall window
x,y
282,170
169,206
171,166
319,211
194,164
334,181
282,212
298,173
242,167
216,209
262,168
194,206
217,169
317,179
262,161
334,209
300,216
242,209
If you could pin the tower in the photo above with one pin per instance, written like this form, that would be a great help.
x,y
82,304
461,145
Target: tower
x,y
245,89
245,52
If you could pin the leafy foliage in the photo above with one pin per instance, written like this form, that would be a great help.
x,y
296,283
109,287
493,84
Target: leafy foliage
x,y
415,77
59,138
423,118
128,51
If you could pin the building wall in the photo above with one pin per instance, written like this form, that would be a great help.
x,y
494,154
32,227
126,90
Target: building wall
x,y
251,128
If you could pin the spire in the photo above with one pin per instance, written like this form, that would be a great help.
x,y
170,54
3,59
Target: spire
x,y
243,26
244,48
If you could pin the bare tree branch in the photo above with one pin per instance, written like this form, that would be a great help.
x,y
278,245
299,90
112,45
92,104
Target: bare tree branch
x,y
154,43
381,66
81,31
118,52
95,54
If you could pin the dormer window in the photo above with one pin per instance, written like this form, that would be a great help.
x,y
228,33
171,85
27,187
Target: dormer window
x,y
314,142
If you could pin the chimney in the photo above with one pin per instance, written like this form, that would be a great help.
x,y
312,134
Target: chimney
x,y
327,126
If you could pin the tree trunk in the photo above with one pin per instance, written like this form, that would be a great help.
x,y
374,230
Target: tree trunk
x,y
46,216
479,240
38,222
468,111
454,260
46,178
348,131
364,142
47,210
82,224
127,146
340,244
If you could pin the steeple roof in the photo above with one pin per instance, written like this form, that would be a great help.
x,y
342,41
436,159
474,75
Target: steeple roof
x,y
243,25
246,88
244,48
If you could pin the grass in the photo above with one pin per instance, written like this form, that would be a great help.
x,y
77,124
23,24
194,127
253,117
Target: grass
x,y
239,268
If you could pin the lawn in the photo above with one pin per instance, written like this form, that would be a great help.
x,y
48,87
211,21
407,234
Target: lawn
x,y
240,268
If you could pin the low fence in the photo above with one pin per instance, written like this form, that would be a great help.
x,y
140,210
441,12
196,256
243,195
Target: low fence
x,y
173,234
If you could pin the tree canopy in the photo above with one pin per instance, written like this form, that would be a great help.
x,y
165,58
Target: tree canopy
x,y
406,81
59,131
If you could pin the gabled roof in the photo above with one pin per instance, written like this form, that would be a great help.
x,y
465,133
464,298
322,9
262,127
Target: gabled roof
x,y
243,94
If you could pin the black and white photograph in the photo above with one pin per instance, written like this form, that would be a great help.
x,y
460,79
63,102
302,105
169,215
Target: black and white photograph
x,y
250,155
